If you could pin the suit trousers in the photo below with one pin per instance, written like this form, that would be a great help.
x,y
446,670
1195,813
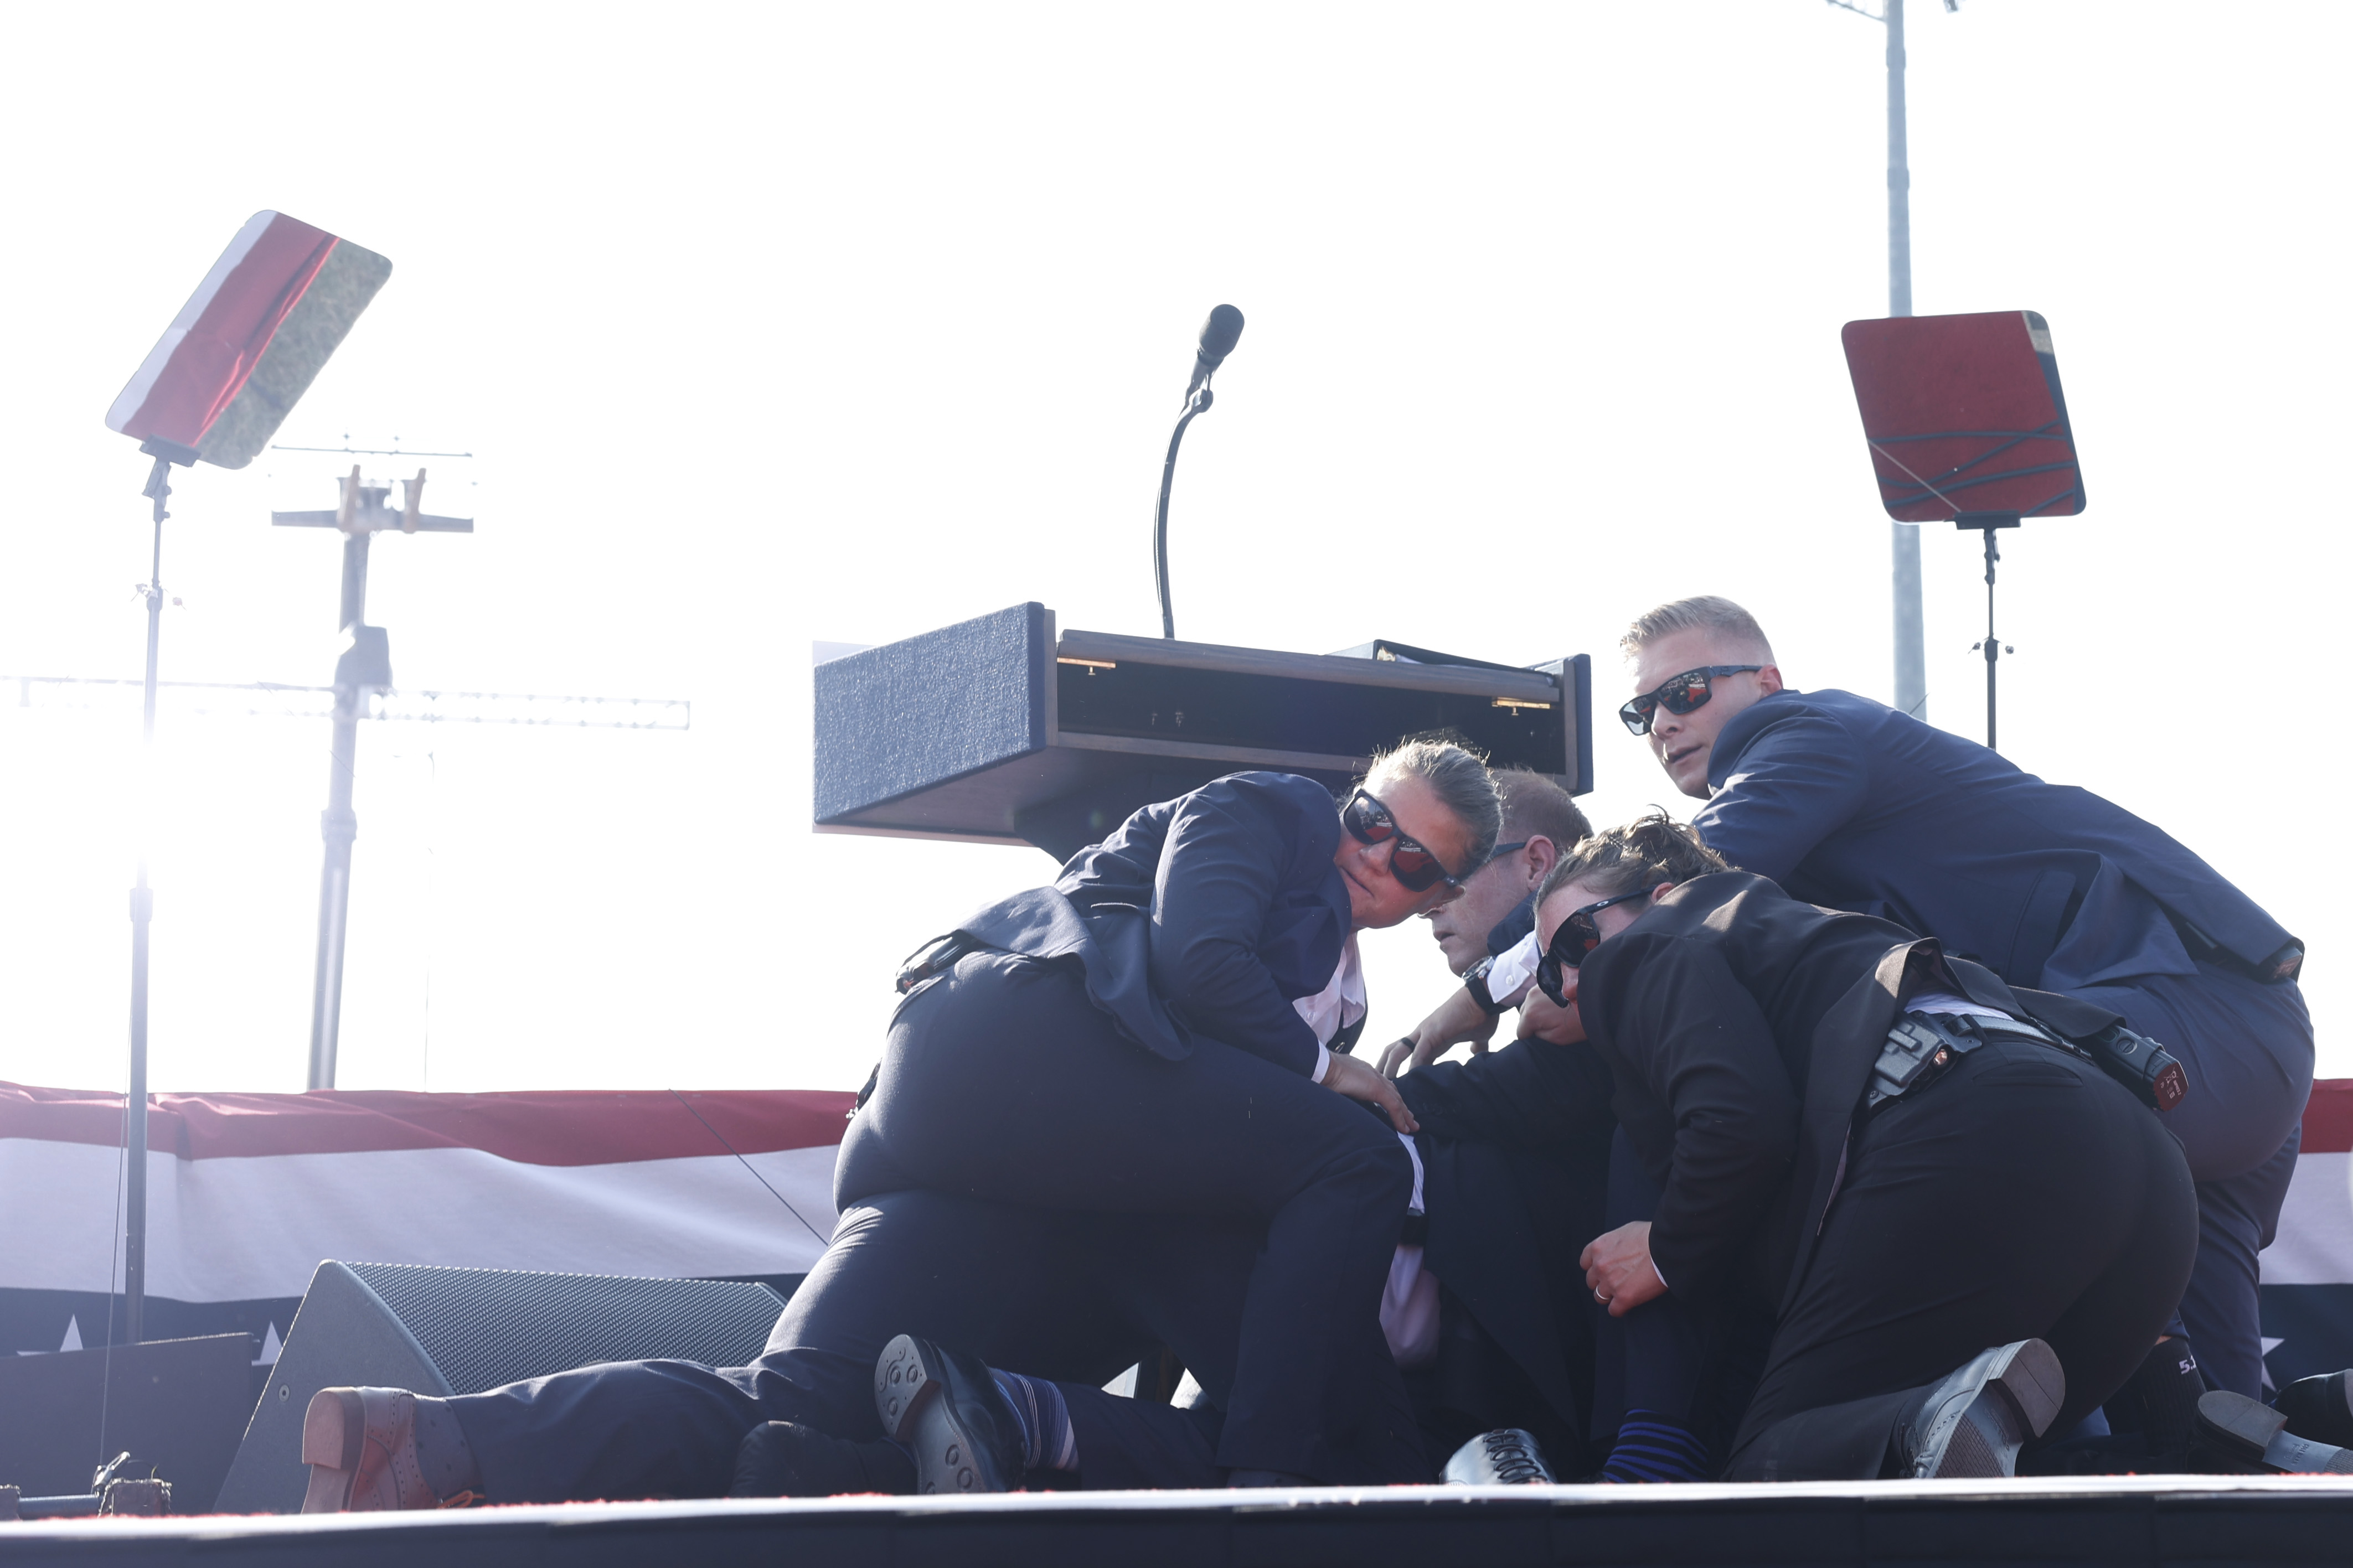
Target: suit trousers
x,y
1075,1298
1695,1365
2247,1050
1003,1081
2022,1195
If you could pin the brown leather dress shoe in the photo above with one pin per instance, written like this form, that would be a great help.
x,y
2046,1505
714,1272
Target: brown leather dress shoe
x,y
361,1445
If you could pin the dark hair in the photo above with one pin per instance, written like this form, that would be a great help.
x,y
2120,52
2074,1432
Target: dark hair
x,y
1651,849
1460,780
1535,807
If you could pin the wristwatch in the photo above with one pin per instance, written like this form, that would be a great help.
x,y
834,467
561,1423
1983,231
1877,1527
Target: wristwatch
x,y
1475,982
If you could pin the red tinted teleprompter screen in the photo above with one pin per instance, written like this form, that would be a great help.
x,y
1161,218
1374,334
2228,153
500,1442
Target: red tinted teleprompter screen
x,y
247,343
1964,416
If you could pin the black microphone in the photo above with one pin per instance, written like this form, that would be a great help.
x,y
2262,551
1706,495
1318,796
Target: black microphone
x,y
1219,334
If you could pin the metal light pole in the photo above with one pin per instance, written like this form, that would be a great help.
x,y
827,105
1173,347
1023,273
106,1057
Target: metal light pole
x,y
366,666
1903,538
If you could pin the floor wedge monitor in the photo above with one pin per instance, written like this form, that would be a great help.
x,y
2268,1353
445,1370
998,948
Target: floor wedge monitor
x,y
462,1331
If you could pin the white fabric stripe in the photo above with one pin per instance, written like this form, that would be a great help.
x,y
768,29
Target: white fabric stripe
x,y
227,1230
2315,1226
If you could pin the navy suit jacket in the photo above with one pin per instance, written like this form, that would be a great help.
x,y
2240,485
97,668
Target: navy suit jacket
x,y
1847,802
1205,915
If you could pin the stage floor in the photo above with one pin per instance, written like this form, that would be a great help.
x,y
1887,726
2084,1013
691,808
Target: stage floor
x,y
2161,1519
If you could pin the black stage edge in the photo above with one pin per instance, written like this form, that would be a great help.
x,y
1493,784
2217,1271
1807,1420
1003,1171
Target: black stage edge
x,y
2176,1520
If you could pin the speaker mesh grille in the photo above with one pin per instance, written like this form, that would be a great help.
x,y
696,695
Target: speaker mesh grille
x,y
484,1327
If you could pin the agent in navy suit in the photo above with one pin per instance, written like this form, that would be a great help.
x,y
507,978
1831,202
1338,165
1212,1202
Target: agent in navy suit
x,y
1102,1120
1153,1034
1849,804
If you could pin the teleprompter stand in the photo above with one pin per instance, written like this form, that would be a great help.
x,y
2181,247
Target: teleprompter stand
x,y
142,906
1986,522
1966,422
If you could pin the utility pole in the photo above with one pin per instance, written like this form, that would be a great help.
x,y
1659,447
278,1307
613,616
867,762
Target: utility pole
x,y
365,665
1903,538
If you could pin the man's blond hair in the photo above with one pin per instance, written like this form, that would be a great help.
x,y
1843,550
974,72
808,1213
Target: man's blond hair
x,y
1706,613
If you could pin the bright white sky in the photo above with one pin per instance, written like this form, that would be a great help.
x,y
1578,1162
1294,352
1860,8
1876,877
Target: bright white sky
x,y
776,323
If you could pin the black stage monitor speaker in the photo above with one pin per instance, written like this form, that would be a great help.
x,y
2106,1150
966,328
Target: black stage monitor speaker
x,y
463,1330
173,1405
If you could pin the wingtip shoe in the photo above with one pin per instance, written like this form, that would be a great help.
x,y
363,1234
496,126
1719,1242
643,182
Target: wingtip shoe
x,y
361,1445
1973,1424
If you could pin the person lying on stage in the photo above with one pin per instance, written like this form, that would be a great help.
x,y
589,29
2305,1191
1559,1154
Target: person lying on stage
x,y
1150,1040
1542,1110
1847,803
1965,1232
1486,1312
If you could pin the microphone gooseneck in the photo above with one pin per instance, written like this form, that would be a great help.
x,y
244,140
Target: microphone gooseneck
x,y
1219,335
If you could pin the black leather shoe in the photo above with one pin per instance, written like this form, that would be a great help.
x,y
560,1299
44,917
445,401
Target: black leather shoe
x,y
1505,1458
2256,1436
783,1458
2319,1409
947,1409
1973,1424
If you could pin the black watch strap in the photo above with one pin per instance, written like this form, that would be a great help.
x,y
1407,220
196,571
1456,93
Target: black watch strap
x,y
1475,982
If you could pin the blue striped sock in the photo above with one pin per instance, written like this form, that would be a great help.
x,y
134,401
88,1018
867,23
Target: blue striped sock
x,y
1653,1449
1049,1443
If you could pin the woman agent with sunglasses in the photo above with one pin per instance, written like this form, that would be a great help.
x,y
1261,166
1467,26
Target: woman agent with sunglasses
x,y
1162,1032
1888,1150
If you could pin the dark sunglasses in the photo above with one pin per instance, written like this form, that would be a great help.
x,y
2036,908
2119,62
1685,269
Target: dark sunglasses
x,y
1577,936
1414,867
1679,695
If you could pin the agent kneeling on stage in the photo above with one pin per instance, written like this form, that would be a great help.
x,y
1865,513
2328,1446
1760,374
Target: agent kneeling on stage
x,y
1845,801
1968,1235
1087,1086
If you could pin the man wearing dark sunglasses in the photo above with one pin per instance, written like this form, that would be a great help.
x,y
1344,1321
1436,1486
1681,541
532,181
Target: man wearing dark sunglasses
x,y
1845,801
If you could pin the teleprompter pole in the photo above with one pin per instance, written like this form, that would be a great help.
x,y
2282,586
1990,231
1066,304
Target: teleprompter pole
x,y
143,908
1987,523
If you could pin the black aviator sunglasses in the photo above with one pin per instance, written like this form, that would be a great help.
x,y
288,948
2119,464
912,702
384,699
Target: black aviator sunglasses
x,y
1578,935
1415,867
1679,695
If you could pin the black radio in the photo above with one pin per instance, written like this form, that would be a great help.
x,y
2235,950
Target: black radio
x,y
2141,1065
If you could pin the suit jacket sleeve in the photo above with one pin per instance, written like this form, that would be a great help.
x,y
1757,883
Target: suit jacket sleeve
x,y
1799,778
1697,1042
1531,1094
1221,868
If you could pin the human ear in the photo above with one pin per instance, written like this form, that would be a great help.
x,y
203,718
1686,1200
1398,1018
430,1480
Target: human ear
x,y
1768,680
1538,856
